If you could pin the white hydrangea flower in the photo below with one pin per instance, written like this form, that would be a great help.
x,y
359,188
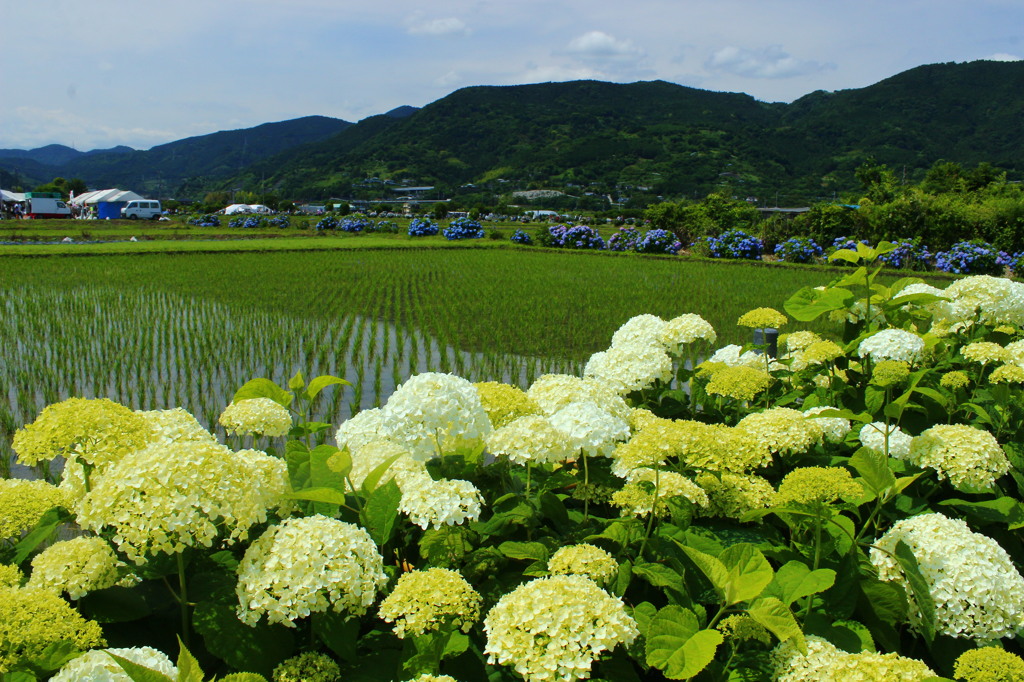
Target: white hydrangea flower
x,y
555,628
977,590
259,416
783,430
447,502
835,428
530,439
162,499
584,559
590,429
731,356
175,425
892,344
373,453
965,455
638,499
629,368
552,392
645,329
98,666
873,436
995,300
434,413
684,330
1015,352
824,662
308,565
364,427
77,566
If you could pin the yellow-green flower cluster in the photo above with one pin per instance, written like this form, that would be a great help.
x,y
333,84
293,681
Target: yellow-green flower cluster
x,y
696,445
820,352
504,403
955,380
427,677
654,444
554,628
10,576
762,318
985,352
32,619
584,559
798,341
965,455
637,497
684,330
733,495
259,416
424,601
311,666
99,666
743,628
530,439
23,503
1007,374
740,383
175,426
974,583
989,664
783,430
76,566
817,485
162,499
308,565
826,663
97,431
890,373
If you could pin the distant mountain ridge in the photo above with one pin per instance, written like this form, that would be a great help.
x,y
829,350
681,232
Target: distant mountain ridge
x,y
591,138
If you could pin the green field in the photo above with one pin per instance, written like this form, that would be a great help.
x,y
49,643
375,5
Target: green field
x,y
162,330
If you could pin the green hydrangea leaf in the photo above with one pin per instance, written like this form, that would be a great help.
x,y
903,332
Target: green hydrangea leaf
x,y
677,646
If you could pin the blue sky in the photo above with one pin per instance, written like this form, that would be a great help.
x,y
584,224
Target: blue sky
x,y
141,73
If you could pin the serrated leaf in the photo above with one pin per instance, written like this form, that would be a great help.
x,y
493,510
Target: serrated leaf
x,y
809,303
919,588
322,382
188,666
795,580
263,388
874,470
44,528
533,551
713,569
778,619
677,646
659,575
370,482
380,513
748,572
139,673
1000,510
643,613
296,382
244,677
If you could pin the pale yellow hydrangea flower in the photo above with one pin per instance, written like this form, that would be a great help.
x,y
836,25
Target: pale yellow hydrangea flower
x,y
826,663
955,380
257,416
742,628
76,566
965,455
424,601
504,403
530,440
311,666
99,666
23,503
637,497
32,619
740,383
584,559
684,330
553,629
733,495
817,485
762,318
1007,374
985,352
890,373
989,664
10,576
783,430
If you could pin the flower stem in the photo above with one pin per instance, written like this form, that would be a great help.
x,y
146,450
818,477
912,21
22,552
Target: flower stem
x,y
183,601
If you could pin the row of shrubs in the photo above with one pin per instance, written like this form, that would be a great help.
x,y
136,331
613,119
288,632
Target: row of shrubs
x,y
974,257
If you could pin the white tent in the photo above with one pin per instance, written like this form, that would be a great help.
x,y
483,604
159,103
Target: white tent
x,y
117,196
246,208
11,196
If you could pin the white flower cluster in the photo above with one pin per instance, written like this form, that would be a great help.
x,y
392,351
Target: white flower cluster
x,y
733,356
167,498
76,566
994,300
373,453
874,435
590,429
834,428
308,565
554,628
783,430
629,368
175,426
643,329
446,502
584,559
433,413
648,490
965,455
530,439
892,344
977,590
552,392
260,416
824,662
684,330
98,666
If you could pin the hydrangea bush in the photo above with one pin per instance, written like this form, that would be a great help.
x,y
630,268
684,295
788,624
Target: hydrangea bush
x,y
735,244
463,228
798,250
849,509
974,257
521,236
205,220
422,227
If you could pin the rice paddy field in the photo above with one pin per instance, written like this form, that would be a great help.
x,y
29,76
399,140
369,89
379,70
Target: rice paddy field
x,y
156,331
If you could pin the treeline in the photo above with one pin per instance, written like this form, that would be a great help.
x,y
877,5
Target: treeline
x,y
950,205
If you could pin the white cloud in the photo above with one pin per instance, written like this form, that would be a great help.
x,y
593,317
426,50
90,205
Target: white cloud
x,y
1003,57
599,47
437,27
552,74
766,62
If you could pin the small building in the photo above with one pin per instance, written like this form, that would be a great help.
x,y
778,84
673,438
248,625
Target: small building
x,y
105,203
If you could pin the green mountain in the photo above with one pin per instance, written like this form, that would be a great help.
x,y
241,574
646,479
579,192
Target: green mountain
x,y
163,169
658,138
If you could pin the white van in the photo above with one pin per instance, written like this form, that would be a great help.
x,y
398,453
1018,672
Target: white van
x,y
146,209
